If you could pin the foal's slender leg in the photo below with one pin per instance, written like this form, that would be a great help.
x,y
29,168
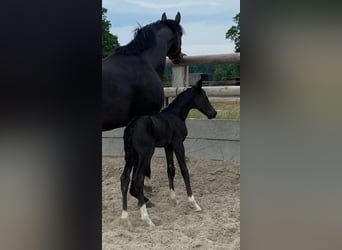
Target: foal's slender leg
x,y
138,180
125,178
170,172
133,191
180,154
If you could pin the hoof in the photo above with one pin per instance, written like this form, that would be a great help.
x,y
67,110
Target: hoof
x,y
149,222
174,202
197,208
194,204
126,223
149,204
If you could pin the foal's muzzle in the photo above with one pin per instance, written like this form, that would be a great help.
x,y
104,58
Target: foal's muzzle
x,y
212,114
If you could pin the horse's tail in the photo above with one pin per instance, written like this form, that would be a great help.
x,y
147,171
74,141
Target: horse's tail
x,y
131,156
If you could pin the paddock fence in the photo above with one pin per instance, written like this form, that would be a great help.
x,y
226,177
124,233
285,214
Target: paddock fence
x,y
180,77
207,139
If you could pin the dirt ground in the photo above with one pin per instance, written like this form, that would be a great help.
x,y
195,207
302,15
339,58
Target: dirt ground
x,y
216,188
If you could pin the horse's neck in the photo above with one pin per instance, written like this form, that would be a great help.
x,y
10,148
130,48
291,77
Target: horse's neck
x,y
156,55
181,108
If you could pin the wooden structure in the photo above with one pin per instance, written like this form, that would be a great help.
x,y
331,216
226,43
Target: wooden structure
x,y
180,75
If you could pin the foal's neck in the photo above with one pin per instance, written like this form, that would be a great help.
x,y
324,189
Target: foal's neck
x,y
181,107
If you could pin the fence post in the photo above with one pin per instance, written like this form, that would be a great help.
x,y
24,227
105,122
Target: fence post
x,y
180,76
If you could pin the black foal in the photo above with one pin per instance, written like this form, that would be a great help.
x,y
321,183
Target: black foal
x,y
166,129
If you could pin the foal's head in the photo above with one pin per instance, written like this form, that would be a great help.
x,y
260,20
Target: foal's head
x,y
201,101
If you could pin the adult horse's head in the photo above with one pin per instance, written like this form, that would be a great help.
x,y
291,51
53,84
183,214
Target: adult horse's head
x,y
175,52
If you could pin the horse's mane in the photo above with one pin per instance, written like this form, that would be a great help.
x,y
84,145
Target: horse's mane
x,y
144,37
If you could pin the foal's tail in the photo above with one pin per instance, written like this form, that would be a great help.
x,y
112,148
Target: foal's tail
x,y
131,156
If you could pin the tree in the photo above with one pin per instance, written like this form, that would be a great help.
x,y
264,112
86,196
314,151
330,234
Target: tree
x,y
219,74
109,41
234,33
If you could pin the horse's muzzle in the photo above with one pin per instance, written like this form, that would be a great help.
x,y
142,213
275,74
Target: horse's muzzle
x,y
212,115
177,58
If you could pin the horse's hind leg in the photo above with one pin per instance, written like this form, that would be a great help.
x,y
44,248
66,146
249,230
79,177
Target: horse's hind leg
x,y
133,192
171,173
138,180
180,154
125,178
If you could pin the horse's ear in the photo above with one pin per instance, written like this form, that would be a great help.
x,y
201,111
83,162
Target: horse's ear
x,y
178,18
163,17
199,84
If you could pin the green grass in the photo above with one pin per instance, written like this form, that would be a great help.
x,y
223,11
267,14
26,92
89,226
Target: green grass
x,y
227,111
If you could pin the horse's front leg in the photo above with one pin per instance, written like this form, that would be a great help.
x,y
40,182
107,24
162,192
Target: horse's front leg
x,y
180,155
170,172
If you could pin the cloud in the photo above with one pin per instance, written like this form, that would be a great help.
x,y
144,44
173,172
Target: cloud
x,y
190,7
208,49
125,33
205,22
162,5
206,38
201,38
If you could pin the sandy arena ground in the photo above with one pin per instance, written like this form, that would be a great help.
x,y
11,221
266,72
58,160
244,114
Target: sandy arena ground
x,y
216,188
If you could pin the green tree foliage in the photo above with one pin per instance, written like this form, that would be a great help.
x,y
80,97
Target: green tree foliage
x,y
234,70
109,41
234,33
219,74
167,76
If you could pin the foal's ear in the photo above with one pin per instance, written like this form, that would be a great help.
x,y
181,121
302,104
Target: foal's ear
x,y
163,17
199,84
178,18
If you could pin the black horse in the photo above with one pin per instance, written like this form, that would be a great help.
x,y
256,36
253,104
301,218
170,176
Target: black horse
x,y
132,75
166,129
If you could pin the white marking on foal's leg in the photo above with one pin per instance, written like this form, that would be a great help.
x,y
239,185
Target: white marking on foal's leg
x,y
173,196
144,216
124,214
147,185
191,199
124,217
147,181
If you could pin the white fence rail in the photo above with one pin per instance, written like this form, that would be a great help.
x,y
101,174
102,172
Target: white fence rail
x,y
215,91
180,75
207,59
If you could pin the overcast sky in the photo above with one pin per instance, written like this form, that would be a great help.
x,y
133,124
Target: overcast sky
x,y
205,21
